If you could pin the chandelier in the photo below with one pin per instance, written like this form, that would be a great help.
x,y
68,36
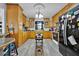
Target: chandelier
x,y
39,9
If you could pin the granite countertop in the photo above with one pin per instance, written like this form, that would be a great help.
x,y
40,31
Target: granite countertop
x,y
6,41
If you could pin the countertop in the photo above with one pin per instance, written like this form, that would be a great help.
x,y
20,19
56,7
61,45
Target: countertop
x,y
6,41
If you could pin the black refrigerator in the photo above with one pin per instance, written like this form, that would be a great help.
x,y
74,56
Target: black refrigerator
x,y
69,32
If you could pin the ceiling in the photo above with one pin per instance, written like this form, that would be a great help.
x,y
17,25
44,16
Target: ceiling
x,y
50,9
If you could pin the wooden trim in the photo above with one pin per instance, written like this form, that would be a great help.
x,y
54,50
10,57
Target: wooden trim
x,y
24,15
55,18
66,8
15,4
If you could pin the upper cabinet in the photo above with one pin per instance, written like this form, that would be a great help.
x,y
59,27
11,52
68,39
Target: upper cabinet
x,y
31,22
47,23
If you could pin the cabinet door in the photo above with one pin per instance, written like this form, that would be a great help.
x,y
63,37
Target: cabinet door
x,y
46,22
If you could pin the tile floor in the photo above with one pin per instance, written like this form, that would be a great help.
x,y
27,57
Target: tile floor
x,y
50,48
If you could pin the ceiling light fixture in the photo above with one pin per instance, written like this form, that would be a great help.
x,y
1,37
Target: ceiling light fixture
x,y
39,8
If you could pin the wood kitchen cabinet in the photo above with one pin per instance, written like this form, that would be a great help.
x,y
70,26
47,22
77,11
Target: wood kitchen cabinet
x,y
14,18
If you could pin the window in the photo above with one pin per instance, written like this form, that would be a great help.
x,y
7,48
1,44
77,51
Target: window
x,y
39,25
